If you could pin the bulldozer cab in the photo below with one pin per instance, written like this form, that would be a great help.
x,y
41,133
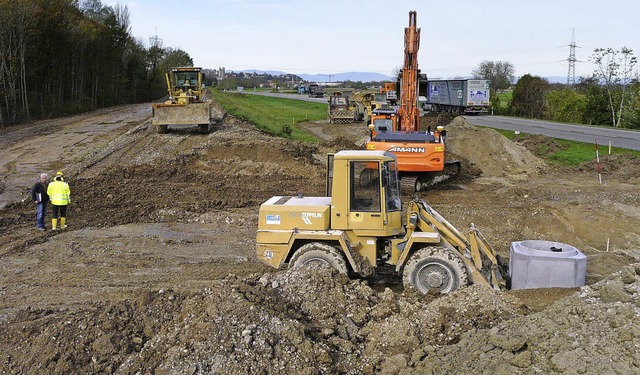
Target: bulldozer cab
x,y
367,196
185,81
339,101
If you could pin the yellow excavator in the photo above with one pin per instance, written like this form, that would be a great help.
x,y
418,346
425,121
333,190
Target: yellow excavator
x,y
186,104
360,228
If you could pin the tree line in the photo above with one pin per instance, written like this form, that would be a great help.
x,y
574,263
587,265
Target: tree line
x,y
608,97
61,57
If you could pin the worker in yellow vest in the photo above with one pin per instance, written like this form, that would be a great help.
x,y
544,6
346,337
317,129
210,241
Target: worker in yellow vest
x,y
60,197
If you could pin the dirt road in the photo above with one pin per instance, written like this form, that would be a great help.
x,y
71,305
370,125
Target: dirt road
x,y
157,271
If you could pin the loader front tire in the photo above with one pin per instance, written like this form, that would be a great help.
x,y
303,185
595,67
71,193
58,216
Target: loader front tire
x,y
435,269
321,254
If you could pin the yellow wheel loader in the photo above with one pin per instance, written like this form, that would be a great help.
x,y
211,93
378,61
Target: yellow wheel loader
x,y
360,228
186,104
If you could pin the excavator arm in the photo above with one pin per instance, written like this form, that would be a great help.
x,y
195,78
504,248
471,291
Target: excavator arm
x,y
409,112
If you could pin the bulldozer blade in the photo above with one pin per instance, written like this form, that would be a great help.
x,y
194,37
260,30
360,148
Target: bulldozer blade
x,y
181,114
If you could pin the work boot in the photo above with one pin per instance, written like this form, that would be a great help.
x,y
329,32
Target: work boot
x,y
54,224
63,222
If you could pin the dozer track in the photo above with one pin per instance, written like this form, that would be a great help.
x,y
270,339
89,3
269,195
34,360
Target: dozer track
x,y
342,116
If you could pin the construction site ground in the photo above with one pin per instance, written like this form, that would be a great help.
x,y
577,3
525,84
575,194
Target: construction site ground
x,y
157,273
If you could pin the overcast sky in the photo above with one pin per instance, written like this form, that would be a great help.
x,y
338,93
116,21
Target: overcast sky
x,y
336,36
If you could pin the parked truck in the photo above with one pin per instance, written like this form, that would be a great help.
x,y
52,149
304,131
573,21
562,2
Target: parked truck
x,y
315,91
463,96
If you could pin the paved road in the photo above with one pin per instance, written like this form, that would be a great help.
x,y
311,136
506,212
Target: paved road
x,y
619,138
583,133
288,96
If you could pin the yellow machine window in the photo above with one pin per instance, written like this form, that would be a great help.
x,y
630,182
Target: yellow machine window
x,y
365,186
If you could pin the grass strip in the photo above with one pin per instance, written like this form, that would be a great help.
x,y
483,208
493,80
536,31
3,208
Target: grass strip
x,y
277,116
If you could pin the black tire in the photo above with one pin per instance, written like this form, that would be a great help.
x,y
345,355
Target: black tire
x,y
320,253
204,128
435,268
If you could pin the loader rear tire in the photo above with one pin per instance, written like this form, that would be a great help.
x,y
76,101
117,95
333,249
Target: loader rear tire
x,y
435,269
321,254
204,128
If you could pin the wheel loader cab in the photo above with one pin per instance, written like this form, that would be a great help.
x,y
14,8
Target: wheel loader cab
x,y
365,194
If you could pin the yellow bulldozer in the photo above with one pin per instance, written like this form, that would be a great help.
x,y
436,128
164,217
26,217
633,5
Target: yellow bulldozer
x,y
186,104
360,228
341,109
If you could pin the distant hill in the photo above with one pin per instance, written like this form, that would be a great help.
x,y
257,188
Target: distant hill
x,y
348,76
338,77
557,79
365,76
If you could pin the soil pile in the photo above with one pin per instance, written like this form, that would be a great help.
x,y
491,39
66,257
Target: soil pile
x,y
302,321
594,331
491,153
157,271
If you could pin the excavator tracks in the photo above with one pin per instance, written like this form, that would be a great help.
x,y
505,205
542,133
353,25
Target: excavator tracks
x,y
421,182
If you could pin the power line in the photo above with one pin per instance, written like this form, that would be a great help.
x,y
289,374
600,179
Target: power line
x,y
571,74
155,41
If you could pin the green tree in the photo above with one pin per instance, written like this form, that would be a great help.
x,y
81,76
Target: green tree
x,y
565,105
528,97
632,115
500,73
596,105
614,68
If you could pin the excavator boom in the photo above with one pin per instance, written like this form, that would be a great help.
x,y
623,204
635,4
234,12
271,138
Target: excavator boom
x,y
409,112
421,156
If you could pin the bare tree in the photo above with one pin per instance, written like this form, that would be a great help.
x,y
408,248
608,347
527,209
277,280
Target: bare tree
x,y
500,73
614,68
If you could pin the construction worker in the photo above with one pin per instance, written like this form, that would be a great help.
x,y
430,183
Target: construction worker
x,y
40,197
440,134
60,197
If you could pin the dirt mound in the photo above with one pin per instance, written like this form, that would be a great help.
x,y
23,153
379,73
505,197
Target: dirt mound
x,y
159,295
278,323
539,145
617,167
235,166
593,331
490,152
431,120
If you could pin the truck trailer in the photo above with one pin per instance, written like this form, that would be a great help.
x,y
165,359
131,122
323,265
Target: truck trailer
x,y
463,96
